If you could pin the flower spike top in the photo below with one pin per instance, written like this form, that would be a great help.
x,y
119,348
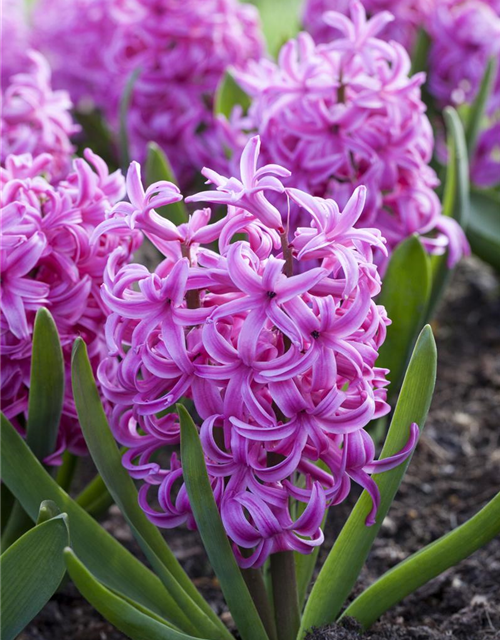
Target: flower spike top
x,y
48,260
345,114
181,49
275,355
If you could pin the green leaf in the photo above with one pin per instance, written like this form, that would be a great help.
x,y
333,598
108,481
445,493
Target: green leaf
x,y
159,168
97,136
425,564
420,52
136,621
46,395
483,231
405,294
455,199
125,101
48,510
213,534
475,114
190,612
228,95
280,21
108,560
345,561
32,568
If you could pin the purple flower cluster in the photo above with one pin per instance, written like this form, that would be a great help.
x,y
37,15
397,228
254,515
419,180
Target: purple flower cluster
x,y
409,15
277,361
35,119
465,35
345,114
181,49
47,260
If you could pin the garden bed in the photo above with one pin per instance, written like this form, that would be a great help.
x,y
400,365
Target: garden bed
x,y
453,474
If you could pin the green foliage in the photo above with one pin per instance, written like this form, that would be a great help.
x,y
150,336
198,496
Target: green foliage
x,y
32,568
405,295
228,95
125,102
483,231
159,168
213,534
280,21
345,561
474,120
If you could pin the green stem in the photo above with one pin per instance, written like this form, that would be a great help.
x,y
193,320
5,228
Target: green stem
x,y
255,583
66,471
92,492
286,601
7,503
426,564
100,506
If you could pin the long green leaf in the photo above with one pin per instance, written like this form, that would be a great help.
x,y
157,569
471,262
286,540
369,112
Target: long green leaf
x,y
192,612
405,295
280,21
113,565
213,534
46,386
32,569
228,95
426,564
483,231
345,561
159,168
455,199
136,622
476,112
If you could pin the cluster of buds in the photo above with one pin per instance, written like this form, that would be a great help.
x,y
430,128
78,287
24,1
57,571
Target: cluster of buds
x,y
35,119
276,356
345,114
47,260
179,49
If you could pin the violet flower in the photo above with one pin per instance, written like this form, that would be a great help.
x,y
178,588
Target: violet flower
x,y
47,259
182,50
346,114
277,357
35,119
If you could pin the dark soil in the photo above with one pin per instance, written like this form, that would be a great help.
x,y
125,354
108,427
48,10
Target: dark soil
x,y
454,473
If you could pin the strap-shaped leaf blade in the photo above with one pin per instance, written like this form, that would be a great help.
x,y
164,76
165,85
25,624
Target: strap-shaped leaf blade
x,y
158,168
476,112
280,21
113,565
455,199
135,621
126,100
228,95
483,231
426,564
213,534
193,612
32,568
405,295
46,386
344,562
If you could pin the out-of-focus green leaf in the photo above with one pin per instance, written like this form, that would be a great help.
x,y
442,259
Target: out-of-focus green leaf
x,y
191,612
483,231
281,20
475,114
228,95
96,136
32,568
213,534
345,561
108,560
405,295
455,199
132,619
420,52
159,168
46,386
425,564
125,101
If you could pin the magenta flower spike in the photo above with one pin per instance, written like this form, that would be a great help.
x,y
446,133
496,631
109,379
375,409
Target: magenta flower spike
x,y
276,355
35,119
346,114
182,50
47,260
